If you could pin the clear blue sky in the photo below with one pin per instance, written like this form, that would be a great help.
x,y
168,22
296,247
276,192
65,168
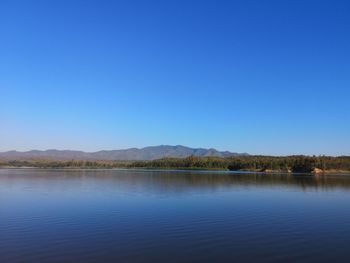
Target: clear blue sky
x,y
264,77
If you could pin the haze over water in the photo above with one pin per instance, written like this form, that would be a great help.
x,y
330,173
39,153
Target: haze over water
x,y
169,216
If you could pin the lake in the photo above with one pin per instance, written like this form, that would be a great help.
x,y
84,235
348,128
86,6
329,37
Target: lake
x,y
172,216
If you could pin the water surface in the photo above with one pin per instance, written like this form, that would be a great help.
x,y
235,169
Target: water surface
x,y
169,216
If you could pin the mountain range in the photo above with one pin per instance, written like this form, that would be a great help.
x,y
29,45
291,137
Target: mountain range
x,y
147,153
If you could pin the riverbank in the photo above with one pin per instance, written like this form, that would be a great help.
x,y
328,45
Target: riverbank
x,y
198,169
262,164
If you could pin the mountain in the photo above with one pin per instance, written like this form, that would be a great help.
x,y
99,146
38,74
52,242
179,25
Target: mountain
x,y
147,153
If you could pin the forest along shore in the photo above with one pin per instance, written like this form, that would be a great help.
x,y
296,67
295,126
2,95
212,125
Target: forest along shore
x,y
268,164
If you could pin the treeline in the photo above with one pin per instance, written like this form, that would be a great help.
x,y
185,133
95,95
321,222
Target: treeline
x,y
291,163
45,163
254,163
191,162
239,163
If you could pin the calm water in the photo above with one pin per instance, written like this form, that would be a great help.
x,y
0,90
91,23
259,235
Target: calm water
x,y
152,216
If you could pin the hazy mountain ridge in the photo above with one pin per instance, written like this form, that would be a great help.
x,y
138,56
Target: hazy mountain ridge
x,y
147,153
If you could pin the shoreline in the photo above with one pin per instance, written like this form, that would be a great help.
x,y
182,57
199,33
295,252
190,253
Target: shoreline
x,y
182,169
315,165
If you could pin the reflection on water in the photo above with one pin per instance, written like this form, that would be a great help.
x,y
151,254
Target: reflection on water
x,y
172,216
182,180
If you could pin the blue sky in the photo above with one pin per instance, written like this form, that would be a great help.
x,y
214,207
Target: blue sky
x,y
264,77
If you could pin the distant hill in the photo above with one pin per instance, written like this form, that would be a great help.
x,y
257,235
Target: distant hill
x,y
147,153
